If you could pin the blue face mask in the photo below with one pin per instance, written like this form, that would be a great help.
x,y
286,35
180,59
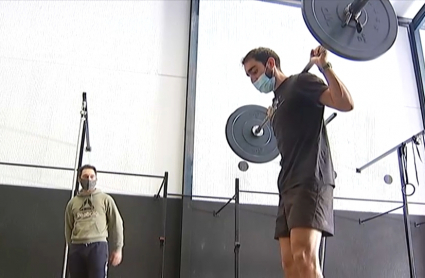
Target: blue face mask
x,y
265,84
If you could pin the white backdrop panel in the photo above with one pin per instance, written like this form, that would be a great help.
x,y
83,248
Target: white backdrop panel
x,y
384,91
131,59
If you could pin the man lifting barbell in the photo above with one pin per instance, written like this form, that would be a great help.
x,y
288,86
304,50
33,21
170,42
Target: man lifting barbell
x,y
306,180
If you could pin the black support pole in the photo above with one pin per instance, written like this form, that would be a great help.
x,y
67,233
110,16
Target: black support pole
x,y
378,215
157,195
360,169
82,140
216,213
407,228
87,133
202,197
419,224
189,141
162,238
323,254
237,242
77,164
330,118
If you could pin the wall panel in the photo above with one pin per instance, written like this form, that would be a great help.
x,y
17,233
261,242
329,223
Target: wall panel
x,y
130,58
375,249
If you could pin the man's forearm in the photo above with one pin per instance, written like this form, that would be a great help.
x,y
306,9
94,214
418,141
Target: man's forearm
x,y
68,235
339,93
116,226
68,225
118,238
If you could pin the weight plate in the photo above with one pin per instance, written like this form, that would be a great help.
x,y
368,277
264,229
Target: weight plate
x,y
241,139
324,19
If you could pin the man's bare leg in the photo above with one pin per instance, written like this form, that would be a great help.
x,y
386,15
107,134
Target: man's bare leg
x,y
305,245
289,268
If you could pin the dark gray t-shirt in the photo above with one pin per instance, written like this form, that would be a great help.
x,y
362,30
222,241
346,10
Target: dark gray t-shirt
x,y
301,134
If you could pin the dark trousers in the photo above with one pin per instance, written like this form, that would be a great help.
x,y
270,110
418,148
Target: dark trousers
x,y
88,260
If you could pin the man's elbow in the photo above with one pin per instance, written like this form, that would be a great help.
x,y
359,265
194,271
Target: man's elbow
x,y
344,106
348,107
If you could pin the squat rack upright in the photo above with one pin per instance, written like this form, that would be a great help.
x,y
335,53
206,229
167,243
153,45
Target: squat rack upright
x,y
402,163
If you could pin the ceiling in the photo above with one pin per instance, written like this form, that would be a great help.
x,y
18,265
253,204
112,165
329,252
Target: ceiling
x,y
407,8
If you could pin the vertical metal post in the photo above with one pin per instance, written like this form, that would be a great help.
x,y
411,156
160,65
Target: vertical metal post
x,y
407,229
237,243
322,254
77,165
80,158
189,141
416,49
164,223
82,139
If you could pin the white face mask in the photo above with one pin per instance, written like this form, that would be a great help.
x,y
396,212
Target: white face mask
x,y
265,84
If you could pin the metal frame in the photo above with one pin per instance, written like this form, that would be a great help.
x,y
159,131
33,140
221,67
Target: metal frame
x,y
419,68
418,56
189,142
404,181
71,169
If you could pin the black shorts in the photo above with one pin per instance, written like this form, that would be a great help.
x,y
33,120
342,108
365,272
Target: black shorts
x,y
309,206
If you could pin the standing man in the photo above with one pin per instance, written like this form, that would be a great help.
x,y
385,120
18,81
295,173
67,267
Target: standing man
x,y
306,180
91,218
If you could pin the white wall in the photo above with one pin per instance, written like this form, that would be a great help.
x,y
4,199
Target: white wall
x,y
131,59
384,90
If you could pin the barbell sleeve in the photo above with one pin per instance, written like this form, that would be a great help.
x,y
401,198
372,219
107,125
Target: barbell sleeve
x,y
260,127
357,6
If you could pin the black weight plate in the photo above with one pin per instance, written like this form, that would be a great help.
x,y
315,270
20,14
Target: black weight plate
x,y
324,19
239,135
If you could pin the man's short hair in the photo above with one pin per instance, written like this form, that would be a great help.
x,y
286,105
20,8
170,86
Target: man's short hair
x,y
87,166
262,54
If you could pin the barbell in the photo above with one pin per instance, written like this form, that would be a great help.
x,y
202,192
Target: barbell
x,y
359,30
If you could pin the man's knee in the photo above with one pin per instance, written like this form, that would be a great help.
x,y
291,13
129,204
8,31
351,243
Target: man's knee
x,y
306,262
288,262
305,245
303,255
288,265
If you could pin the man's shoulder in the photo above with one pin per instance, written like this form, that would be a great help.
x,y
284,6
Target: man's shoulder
x,y
106,196
308,77
292,85
71,202
304,76
297,81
